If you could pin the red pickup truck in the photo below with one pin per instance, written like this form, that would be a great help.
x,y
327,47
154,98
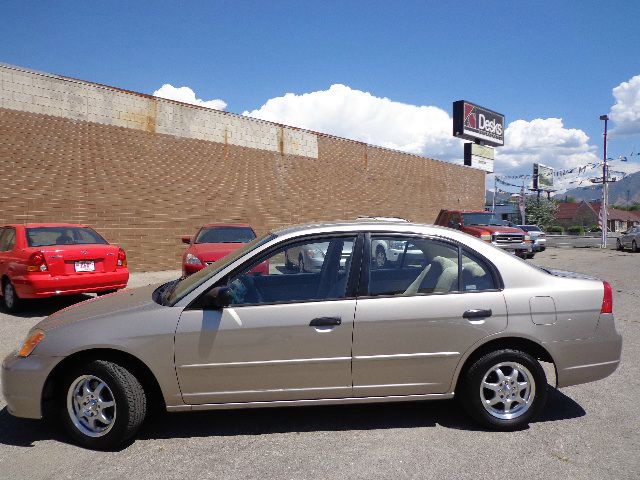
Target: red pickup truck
x,y
488,227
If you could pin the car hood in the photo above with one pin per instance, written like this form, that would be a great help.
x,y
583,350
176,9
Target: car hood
x,y
492,229
212,251
109,305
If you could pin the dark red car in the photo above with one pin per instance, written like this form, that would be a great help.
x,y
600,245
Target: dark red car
x,y
46,259
214,241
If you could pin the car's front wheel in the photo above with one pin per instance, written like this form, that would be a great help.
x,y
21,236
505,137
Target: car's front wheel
x,y
102,404
504,390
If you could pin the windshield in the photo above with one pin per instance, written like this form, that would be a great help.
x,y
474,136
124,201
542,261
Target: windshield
x,y
529,228
225,235
487,218
190,283
47,236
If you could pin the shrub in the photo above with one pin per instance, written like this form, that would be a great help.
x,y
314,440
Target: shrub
x,y
576,229
595,228
555,229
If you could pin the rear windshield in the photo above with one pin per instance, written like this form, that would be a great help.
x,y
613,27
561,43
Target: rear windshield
x,y
225,235
46,236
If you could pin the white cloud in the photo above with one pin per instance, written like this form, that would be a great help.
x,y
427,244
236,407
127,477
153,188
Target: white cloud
x,y
358,115
626,112
547,141
186,95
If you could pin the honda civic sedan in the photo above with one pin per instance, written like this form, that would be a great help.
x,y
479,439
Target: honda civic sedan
x,y
462,319
49,259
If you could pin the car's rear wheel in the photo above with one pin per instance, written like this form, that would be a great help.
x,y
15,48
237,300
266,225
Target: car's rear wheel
x,y
102,404
504,390
10,300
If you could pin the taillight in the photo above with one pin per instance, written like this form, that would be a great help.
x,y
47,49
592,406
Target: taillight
x,y
37,263
122,258
607,299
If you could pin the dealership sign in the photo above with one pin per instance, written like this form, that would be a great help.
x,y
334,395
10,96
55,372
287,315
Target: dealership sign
x,y
479,156
542,177
476,123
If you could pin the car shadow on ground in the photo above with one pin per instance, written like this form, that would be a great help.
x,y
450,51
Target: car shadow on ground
x,y
447,413
42,307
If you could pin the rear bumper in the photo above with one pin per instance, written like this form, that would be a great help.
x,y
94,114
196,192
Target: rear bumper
x,y
23,381
588,360
42,285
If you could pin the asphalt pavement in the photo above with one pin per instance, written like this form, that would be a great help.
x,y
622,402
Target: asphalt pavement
x,y
587,431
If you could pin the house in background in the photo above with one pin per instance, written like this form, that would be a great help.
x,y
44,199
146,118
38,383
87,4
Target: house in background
x,y
586,214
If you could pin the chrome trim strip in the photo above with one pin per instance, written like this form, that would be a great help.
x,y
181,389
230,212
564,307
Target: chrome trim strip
x,y
406,355
602,364
300,403
292,361
273,390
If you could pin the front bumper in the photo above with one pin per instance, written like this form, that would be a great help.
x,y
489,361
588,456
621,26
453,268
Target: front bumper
x,y
23,381
523,247
44,285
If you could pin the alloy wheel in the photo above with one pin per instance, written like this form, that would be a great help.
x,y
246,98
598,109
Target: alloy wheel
x,y
91,406
507,390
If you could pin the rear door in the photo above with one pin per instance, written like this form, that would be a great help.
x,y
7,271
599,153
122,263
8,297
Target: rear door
x,y
286,336
413,325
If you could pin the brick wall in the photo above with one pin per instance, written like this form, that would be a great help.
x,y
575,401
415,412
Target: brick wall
x,y
144,179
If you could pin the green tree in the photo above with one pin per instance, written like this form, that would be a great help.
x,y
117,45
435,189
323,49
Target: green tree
x,y
540,211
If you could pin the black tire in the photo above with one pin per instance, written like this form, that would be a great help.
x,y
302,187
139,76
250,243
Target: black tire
x,y
531,255
619,246
123,388
10,300
471,394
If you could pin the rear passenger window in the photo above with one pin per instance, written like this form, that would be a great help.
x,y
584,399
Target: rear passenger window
x,y
410,266
476,274
7,239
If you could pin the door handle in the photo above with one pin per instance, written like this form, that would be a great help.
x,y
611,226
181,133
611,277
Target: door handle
x,y
325,322
477,313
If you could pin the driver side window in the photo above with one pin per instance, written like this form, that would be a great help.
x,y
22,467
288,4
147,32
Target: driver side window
x,y
316,269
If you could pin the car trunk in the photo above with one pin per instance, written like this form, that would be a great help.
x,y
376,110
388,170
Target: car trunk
x,y
80,259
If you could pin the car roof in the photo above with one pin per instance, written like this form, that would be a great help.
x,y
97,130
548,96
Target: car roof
x,y
361,224
43,225
210,225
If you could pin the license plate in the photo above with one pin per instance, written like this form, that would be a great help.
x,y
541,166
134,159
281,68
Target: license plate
x,y
85,266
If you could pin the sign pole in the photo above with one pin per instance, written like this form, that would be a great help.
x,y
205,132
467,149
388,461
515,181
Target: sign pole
x,y
604,184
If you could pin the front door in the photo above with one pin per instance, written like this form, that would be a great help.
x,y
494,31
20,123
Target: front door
x,y
286,336
420,315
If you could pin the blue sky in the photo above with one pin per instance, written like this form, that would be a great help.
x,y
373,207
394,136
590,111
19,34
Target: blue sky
x,y
539,60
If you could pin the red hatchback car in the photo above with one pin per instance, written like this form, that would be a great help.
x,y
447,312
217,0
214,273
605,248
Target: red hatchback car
x,y
43,260
214,241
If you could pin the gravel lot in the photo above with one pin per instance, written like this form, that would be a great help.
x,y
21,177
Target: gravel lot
x,y
587,431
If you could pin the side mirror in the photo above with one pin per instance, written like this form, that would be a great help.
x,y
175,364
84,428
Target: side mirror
x,y
218,297
186,239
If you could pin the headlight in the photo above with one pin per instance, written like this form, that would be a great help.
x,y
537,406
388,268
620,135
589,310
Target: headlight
x,y
33,339
191,259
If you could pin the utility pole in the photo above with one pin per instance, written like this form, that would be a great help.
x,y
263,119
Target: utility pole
x,y
604,184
